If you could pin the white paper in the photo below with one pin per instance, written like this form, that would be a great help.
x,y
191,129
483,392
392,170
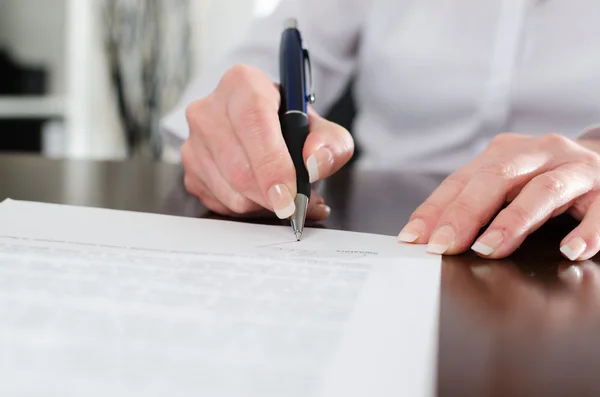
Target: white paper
x,y
106,303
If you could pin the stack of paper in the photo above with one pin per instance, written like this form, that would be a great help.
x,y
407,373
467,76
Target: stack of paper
x,y
106,303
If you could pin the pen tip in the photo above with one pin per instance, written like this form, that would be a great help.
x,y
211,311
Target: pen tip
x,y
298,236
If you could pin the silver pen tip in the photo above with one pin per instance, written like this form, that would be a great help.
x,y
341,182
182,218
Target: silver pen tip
x,y
299,216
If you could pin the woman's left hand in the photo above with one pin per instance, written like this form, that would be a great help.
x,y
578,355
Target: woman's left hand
x,y
539,177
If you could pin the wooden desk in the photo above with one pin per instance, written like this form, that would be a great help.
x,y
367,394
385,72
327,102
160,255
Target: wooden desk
x,y
522,334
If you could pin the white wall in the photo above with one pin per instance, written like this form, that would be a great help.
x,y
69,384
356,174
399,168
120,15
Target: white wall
x,y
36,29
224,25
94,127
33,31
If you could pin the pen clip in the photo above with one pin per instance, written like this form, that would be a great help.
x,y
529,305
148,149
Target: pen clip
x,y
311,88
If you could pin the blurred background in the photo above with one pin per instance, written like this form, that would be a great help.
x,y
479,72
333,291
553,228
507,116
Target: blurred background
x,y
91,78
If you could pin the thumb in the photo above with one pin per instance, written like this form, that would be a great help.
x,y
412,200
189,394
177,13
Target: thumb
x,y
327,148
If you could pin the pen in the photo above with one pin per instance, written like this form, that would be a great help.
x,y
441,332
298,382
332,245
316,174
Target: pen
x,y
296,94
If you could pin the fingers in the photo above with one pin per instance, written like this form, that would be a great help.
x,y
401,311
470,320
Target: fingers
x,y
328,147
317,209
197,161
424,218
214,132
195,186
237,151
536,203
584,241
452,216
461,220
252,109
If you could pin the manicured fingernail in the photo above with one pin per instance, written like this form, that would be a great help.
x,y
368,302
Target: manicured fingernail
x,y
488,243
441,240
412,231
282,201
574,248
482,272
319,163
571,275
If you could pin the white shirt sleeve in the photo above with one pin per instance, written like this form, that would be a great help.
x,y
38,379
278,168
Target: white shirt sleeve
x,y
591,132
330,29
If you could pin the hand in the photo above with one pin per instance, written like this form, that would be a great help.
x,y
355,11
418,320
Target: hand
x,y
236,160
539,177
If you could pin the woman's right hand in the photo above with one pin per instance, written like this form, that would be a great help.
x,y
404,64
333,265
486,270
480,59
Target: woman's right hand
x,y
235,158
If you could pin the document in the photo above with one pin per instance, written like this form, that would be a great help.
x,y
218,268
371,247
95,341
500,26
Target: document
x,y
97,302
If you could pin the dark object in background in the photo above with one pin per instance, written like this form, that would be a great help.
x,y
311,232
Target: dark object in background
x,y
21,134
19,80
343,113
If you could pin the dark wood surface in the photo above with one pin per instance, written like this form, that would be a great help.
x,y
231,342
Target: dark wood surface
x,y
521,333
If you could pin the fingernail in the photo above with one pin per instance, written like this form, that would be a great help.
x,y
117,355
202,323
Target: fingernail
x,y
482,272
282,201
574,249
488,243
321,160
571,275
412,231
441,240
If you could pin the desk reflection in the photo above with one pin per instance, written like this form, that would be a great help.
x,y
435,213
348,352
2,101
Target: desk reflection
x,y
506,332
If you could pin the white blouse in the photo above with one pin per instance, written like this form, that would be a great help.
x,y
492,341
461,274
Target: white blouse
x,y
435,80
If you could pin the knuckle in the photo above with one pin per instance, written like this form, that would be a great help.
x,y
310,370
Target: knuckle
x,y
464,209
186,155
197,117
242,176
249,81
193,111
503,169
551,184
191,186
553,140
216,206
238,204
517,217
427,209
455,183
271,166
502,139
187,182
254,114
189,160
238,73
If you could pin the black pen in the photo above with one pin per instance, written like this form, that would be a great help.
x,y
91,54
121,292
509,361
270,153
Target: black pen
x,y
296,94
